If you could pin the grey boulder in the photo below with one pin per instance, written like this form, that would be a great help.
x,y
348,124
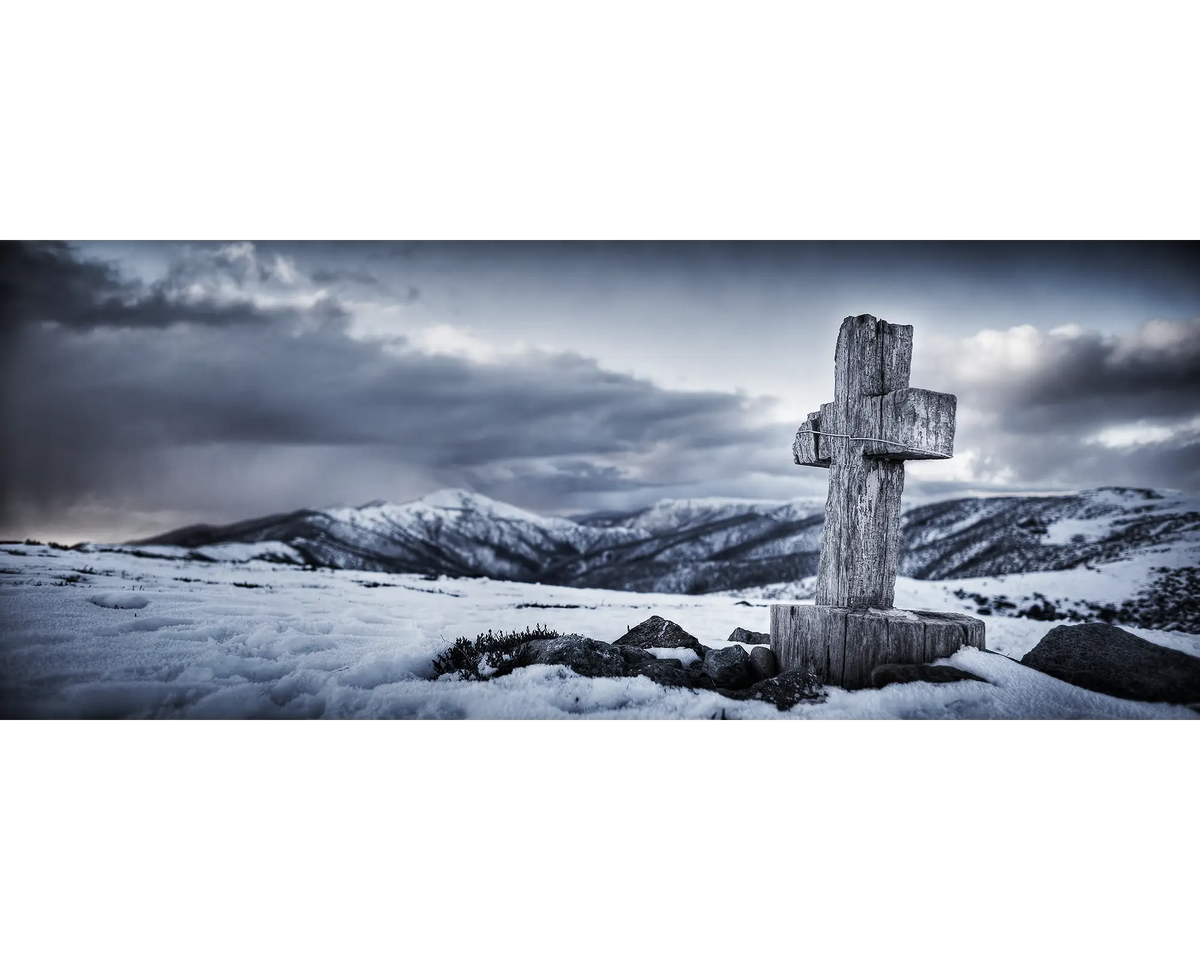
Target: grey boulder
x,y
762,663
588,658
729,667
741,635
657,632
1107,659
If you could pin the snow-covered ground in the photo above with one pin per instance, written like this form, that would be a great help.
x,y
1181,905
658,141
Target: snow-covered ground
x,y
1069,590
116,635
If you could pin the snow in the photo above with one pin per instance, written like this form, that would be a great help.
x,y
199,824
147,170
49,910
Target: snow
x,y
1125,496
668,515
1110,583
230,552
381,513
140,636
243,552
684,655
457,499
1062,532
120,601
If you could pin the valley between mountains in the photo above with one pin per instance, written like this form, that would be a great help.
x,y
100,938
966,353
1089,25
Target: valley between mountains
x,y
1119,554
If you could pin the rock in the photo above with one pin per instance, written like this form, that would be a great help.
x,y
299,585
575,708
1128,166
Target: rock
x,y
741,635
635,657
1107,659
729,668
762,663
1096,657
888,673
657,632
670,673
697,678
588,658
785,690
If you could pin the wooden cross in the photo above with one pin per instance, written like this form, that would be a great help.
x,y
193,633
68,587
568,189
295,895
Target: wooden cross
x,y
875,422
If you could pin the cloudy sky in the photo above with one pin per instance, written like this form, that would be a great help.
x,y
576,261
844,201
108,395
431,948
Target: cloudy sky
x,y
147,385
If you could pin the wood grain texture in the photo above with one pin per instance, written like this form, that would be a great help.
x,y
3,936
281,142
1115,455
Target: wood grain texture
x,y
841,646
806,450
866,645
906,641
860,542
947,632
809,638
913,417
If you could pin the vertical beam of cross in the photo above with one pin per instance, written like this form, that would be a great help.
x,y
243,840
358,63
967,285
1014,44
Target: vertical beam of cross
x,y
875,422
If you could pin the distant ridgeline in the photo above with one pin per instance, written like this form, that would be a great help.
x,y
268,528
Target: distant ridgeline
x,y
707,545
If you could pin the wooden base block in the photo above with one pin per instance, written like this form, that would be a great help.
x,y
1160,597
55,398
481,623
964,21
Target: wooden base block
x,y
841,645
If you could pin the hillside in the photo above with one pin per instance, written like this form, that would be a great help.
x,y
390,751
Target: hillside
x,y
714,545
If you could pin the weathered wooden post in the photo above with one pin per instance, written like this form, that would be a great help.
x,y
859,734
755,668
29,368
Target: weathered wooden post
x,y
875,422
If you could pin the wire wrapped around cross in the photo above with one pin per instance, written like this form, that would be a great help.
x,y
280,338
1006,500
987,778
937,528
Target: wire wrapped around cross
x,y
895,443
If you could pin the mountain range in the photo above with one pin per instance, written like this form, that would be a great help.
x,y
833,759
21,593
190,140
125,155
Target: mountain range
x,y
701,545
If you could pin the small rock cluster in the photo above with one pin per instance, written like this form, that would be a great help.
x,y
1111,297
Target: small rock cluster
x,y
731,671
1096,656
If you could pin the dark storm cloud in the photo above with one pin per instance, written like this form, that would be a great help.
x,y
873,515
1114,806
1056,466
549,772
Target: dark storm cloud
x,y
49,283
1158,269
1067,462
1073,407
44,281
238,262
264,386
1083,379
1147,266
1080,378
100,398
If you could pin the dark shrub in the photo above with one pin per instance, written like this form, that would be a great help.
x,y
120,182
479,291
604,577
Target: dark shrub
x,y
491,654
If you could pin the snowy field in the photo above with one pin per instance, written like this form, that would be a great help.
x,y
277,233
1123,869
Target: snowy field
x,y
96,634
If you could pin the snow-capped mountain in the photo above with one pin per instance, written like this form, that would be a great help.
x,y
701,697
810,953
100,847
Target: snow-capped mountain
x,y
450,532
703,545
680,546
